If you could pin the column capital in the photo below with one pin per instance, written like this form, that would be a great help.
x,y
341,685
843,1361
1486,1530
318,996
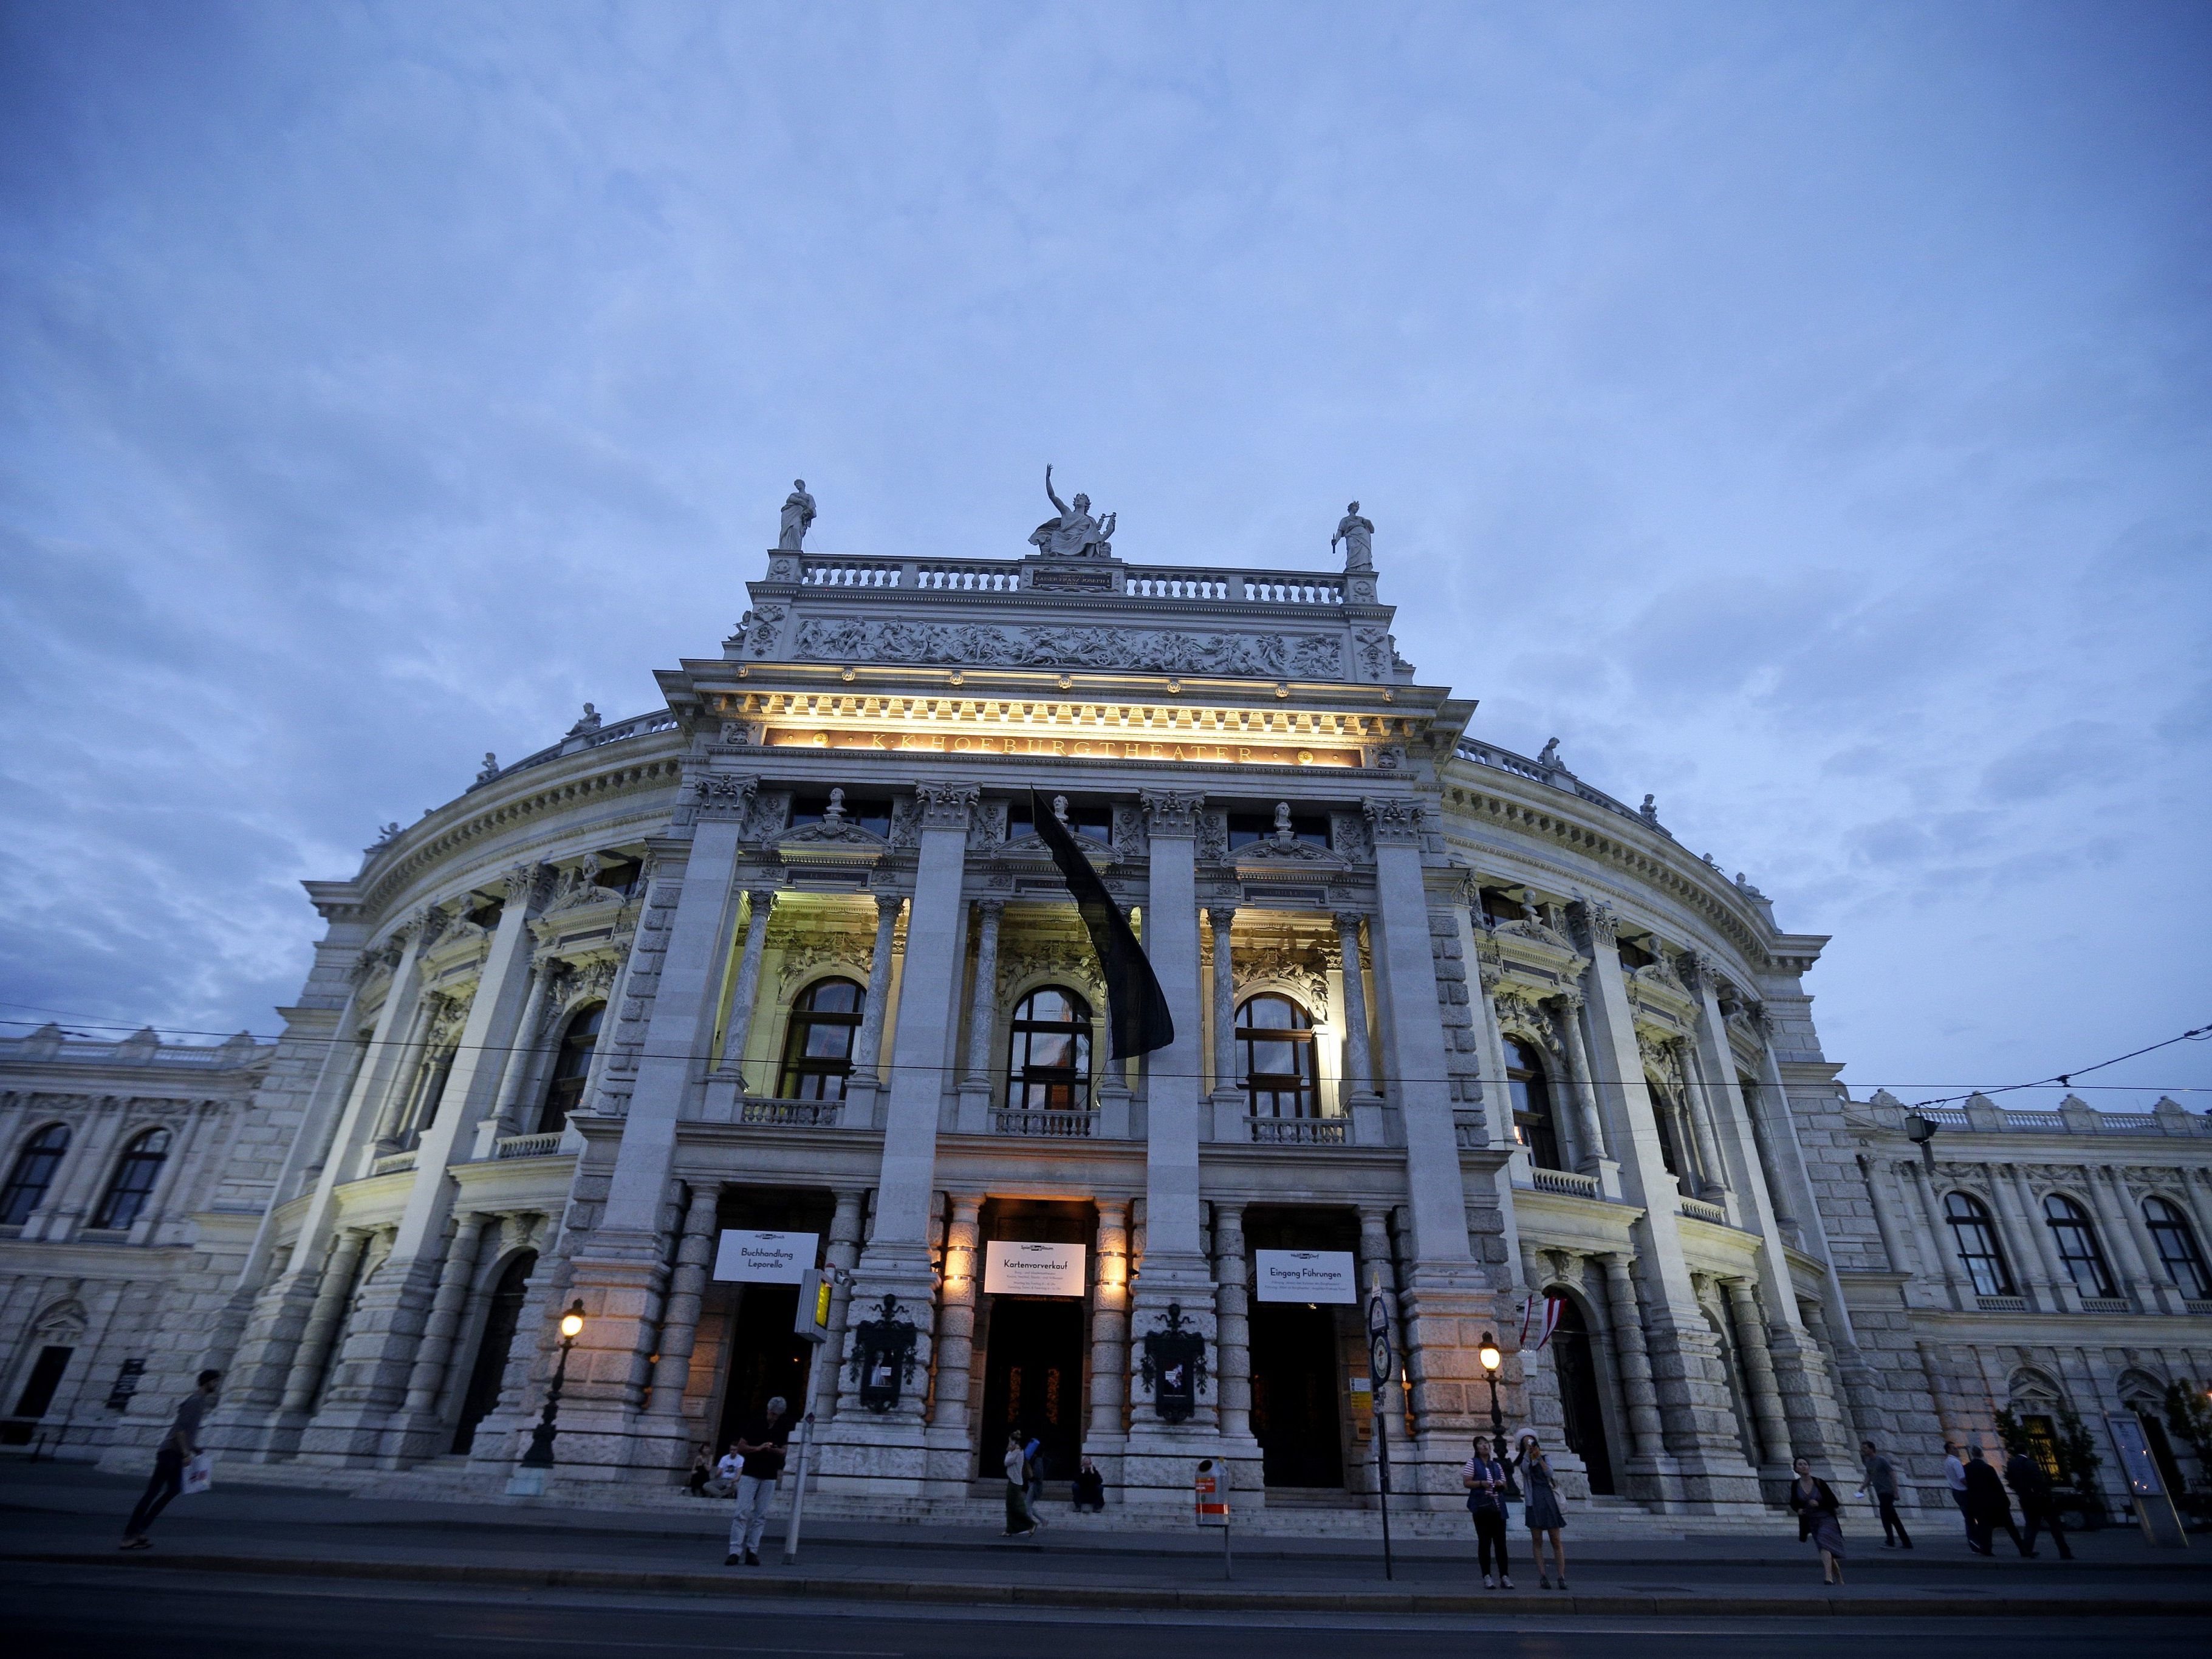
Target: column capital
x,y
1392,822
947,805
991,906
724,794
762,892
529,884
966,1207
888,906
1597,920
1347,921
1171,811
1223,916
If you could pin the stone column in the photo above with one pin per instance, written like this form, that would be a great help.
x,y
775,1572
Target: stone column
x,y
1935,1231
952,1458
1714,1186
620,1270
1228,1103
975,1114
1374,1265
1648,1439
745,994
887,1453
1176,1279
1687,1364
679,1320
1359,1059
1232,1305
521,1055
1885,1221
426,1384
1759,1370
2132,1251
1592,1158
323,1321
1109,1333
866,1081
2022,1249
842,1252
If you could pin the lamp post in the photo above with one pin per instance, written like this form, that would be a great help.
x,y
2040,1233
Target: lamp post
x,y
1491,1359
540,1455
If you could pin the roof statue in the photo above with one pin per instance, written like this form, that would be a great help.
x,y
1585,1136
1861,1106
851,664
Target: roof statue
x,y
1357,535
798,515
1074,534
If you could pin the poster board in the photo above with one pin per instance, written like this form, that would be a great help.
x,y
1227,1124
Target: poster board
x,y
1305,1276
1020,1268
758,1258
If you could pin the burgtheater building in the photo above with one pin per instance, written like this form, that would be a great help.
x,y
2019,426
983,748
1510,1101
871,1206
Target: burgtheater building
x,y
787,957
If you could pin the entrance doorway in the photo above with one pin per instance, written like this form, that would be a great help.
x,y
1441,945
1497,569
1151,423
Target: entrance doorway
x,y
1294,1396
488,1374
1033,1382
1576,1362
767,1358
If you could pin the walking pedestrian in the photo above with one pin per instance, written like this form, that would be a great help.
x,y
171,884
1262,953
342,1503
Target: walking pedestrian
x,y
178,1447
1539,1510
1954,1478
1818,1510
2038,1507
761,1447
1881,1485
1483,1477
1987,1507
1033,1489
1090,1488
1019,1522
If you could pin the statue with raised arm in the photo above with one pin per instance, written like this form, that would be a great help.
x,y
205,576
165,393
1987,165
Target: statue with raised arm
x,y
1358,536
797,514
1074,534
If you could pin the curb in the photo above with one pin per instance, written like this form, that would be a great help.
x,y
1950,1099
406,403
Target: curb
x,y
1133,1597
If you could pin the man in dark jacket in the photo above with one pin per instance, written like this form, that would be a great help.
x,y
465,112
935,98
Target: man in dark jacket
x,y
2036,1506
1987,1507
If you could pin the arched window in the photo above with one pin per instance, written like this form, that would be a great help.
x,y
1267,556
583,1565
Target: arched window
x,y
2077,1245
423,1099
32,1174
1662,1116
488,1374
133,1184
1275,1051
1977,1239
572,1065
2176,1249
817,1049
1048,1053
1533,1123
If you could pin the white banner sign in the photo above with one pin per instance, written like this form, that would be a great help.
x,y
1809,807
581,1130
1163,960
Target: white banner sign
x,y
765,1258
1011,1268
1307,1276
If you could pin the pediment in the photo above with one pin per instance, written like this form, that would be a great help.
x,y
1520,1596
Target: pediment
x,y
833,841
1032,846
1282,850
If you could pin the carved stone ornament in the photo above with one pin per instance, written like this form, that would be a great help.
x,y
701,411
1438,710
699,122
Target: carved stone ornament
x,y
1597,921
725,795
1174,1366
1212,836
1519,1016
1292,965
1260,656
833,833
530,884
884,1355
1171,811
947,805
1392,822
757,632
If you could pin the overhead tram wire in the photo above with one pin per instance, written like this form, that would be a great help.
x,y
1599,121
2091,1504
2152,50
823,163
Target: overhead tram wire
x,y
2061,1080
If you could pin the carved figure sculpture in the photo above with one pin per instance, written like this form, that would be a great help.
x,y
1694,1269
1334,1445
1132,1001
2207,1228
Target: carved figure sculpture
x,y
1551,755
1074,534
1357,535
1650,810
798,515
490,769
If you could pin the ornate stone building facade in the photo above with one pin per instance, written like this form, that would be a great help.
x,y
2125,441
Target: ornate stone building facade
x,y
789,956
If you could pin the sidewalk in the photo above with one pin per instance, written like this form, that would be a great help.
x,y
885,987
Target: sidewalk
x,y
69,1515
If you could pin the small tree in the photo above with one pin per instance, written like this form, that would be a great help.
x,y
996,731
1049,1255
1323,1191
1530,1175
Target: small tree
x,y
2012,1433
2077,1453
2189,1417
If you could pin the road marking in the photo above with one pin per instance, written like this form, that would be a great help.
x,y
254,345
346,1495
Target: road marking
x,y
591,1642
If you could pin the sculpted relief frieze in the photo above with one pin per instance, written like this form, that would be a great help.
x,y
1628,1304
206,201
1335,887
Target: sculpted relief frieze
x,y
1306,656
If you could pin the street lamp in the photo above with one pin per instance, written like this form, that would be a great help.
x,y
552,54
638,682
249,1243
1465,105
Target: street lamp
x,y
540,1455
1491,1359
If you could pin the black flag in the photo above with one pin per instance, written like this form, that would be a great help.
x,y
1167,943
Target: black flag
x,y
1136,1008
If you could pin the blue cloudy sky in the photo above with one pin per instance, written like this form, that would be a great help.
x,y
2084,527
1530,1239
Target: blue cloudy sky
x,y
1800,410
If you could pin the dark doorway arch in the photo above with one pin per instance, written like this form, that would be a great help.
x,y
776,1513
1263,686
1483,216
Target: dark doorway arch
x,y
487,1377
1574,1357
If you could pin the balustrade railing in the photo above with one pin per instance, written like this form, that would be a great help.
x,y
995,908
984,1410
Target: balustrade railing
x,y
392,1163
2002,1304
1568,1183
1051,1125
1299,1131
794,1114
526,1145
1698,1210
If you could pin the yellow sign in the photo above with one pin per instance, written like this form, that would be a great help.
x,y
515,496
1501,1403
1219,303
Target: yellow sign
x,y
1112,749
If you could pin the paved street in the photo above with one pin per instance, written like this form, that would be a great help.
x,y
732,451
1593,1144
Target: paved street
x,y
246,1570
